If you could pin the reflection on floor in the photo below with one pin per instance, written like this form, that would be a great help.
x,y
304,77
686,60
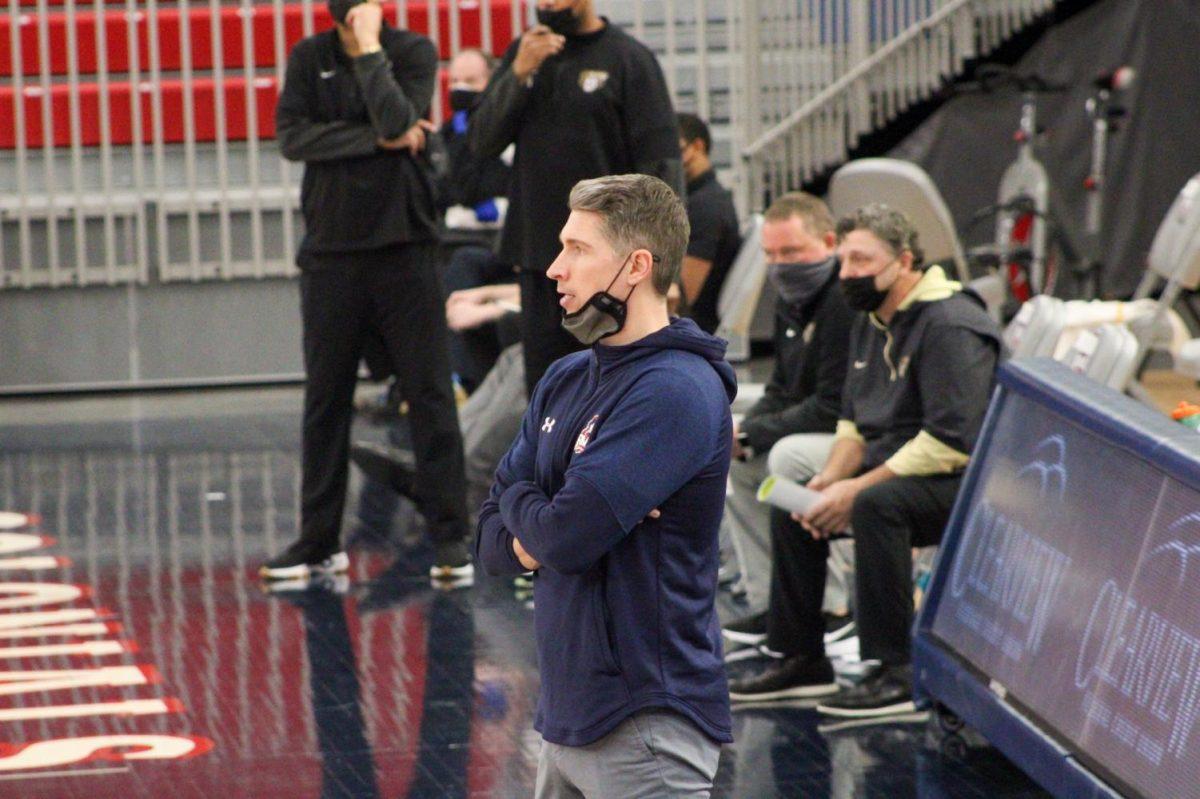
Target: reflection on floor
x,y
139,657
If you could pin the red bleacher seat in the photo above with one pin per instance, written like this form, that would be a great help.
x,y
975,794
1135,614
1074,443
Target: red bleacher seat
x,y
237,127
203,108
199,22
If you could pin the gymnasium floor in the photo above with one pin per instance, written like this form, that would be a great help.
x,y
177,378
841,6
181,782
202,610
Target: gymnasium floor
x,y
161,507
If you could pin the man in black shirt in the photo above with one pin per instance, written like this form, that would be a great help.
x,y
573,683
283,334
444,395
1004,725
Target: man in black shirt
x,y
351,110
922,361
581,99
790,430
715,239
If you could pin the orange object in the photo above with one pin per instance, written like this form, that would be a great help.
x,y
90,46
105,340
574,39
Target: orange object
x,y
1184,409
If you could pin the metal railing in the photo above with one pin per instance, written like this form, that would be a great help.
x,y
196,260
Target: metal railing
x,y
135,151
882,58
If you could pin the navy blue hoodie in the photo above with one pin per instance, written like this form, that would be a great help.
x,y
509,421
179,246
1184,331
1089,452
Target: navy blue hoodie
x,y
624,604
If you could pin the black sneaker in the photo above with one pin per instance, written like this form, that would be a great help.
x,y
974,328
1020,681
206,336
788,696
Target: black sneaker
x,y
886,692
452,567
750,630
390,466
303,587
838,627
794,678
301,560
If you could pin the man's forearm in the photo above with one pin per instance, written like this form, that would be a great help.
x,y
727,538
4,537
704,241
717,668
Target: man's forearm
x,y
493,123
390,110
303,140
845,459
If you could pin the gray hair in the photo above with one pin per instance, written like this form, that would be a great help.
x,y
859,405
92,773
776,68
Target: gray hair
x,y
639,212
888,225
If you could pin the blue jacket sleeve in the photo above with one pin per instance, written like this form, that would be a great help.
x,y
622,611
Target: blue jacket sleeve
x,y
493,541
662,434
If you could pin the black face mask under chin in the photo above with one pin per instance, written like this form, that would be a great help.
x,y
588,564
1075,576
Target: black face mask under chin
x,y
601,316
562,21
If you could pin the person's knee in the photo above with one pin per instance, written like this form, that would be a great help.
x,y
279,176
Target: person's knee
x,y
872,513
798,457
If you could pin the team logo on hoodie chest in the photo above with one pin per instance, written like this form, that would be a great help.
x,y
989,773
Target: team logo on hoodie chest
x,y
585,435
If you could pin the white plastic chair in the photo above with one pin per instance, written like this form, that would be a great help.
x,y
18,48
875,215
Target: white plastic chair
x,y
906,187
742,292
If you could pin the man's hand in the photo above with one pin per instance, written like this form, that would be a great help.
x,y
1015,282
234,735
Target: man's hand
x,y
413,139
366,20
469,315
831,514
820,482
737,453
526,559
537,44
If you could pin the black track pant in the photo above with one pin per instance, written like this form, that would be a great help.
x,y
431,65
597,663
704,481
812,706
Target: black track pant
x,y
888,519
395,292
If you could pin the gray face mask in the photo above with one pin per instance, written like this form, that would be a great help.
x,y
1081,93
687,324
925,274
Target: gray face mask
x,y
601,316
797,283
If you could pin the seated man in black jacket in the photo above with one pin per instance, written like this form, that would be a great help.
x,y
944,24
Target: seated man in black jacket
x,y
923,355
798,413
472,193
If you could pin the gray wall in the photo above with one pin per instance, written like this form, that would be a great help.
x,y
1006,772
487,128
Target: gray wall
x,y
172,334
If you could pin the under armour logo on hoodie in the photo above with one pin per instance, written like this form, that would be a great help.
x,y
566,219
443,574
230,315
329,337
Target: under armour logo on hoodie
x,y
548,425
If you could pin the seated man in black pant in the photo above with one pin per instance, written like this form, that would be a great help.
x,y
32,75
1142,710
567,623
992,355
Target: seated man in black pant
x,y
922,363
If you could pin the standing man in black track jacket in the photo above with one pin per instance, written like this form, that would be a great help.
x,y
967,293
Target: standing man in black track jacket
x,y
351,110
582,99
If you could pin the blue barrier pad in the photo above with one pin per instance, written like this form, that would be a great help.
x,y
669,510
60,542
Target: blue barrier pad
x,y
1065,598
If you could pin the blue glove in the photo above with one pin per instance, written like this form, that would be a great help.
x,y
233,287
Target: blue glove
x,y
487,211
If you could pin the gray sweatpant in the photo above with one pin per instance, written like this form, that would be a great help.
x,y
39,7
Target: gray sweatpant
x,y
490,421
796,457
650,755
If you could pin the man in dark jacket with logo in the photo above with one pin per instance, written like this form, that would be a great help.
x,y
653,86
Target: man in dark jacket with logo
x,y
923,355
350,110
580,98
794,421
613,493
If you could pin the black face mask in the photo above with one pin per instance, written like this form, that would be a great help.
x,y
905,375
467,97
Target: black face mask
x,y
562,21
338,9
861,294
463,99
601,316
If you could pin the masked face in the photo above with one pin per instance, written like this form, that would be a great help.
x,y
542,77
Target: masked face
x,y
863,293
798,282
601,316
562,21
462,99
338,9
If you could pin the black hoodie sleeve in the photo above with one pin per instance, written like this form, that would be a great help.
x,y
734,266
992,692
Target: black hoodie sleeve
x,y
397,84
301,136
818,412
496,119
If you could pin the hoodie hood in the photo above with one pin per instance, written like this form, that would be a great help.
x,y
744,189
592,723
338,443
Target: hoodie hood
x,y
933,286
681,334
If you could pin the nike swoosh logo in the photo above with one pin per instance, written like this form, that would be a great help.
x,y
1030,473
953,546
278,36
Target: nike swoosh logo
x,y
860,364
329,73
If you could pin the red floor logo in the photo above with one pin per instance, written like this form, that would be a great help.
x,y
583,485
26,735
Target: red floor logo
x,y
40,619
